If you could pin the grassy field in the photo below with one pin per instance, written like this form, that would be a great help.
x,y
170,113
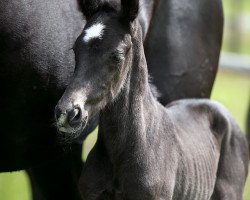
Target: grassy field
x,y
231,6
230,89
238,32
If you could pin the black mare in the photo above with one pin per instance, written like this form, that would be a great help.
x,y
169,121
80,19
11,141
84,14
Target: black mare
x,y
192,149
182,47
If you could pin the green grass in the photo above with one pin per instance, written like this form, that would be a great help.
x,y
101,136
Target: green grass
x,y
14,186
233,91
242,40
230,89
239,8
231,6
89,143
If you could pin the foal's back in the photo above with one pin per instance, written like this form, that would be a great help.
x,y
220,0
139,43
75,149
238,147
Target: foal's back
x,y
215,164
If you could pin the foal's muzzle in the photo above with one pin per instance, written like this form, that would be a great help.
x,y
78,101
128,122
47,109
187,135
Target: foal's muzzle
x,y
70,120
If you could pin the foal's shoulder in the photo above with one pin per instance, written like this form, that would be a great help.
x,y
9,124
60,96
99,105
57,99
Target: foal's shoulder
x,y
200,107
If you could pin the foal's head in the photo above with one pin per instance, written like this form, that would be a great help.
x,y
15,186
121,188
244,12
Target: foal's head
x,y
103,53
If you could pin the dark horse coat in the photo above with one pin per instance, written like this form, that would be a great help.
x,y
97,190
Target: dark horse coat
x,y
36,64
190,150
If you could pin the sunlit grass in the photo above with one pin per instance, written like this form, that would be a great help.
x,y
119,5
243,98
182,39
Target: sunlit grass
x,y
233,91
14,186
231,6
89,143
239,34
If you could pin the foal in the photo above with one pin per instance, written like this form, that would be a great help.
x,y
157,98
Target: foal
x,y
191,150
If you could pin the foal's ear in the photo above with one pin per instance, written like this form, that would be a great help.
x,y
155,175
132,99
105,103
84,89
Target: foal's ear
x,y
129,10
89,7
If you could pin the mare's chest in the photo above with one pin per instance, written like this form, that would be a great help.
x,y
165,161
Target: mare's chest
x,y
36,39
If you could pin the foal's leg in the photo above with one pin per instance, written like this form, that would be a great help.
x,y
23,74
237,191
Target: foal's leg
x,y
58,178
96,177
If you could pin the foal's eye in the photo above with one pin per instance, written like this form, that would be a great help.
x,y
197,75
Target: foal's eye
x,y
116,57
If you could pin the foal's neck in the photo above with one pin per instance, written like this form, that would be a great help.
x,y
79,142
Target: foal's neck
x,y
124,122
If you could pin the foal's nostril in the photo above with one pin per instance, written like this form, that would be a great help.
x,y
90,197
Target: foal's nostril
x,y
74,116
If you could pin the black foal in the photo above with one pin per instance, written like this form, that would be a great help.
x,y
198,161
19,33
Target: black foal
x,y
191,150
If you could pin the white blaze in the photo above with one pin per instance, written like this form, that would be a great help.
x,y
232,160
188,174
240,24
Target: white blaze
x,y
95,31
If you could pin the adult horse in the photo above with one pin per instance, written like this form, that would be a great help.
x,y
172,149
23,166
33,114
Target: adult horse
x,y
182,42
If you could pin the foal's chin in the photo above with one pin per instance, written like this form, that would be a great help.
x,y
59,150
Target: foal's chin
x,y
71,135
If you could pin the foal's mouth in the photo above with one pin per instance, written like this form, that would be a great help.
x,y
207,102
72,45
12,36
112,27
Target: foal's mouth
x,y
65,130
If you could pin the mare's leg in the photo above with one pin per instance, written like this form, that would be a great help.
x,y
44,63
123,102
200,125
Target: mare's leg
x,y
58,178
182,47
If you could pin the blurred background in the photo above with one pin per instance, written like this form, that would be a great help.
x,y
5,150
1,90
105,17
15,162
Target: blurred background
x,y
232,88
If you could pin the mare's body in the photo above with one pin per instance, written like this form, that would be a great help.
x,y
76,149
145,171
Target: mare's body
x,y
36,64
190,34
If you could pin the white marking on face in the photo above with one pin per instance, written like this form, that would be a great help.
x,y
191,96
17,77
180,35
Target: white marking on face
x,y
62,120
62,129
95,31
